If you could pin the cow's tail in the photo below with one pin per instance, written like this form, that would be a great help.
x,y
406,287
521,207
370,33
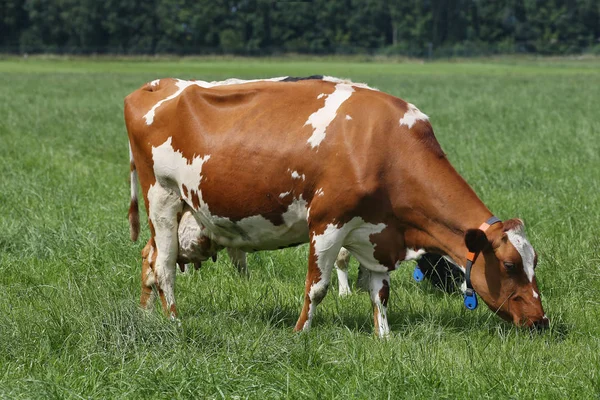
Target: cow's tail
x,y
134,215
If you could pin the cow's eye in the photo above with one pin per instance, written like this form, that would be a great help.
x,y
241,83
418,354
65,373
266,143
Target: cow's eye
x,y
509,266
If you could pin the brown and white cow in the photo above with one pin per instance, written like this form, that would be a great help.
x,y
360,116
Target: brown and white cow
x,y
277,162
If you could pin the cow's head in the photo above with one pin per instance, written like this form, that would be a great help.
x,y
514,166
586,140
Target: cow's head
x,y
503,274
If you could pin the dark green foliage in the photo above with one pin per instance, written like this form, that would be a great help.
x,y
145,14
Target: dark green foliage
x,y
254,27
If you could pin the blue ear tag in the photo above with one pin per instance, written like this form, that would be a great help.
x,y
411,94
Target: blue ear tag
x,y
418,274
470,299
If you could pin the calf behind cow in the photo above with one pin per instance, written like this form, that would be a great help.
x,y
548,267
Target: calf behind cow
x,y
273,163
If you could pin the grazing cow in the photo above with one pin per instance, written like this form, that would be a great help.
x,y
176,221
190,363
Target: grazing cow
x,y
273,163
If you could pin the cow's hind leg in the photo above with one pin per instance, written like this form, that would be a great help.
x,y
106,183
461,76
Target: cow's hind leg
x,y
341,263
379,288
149,286
164,205
324,249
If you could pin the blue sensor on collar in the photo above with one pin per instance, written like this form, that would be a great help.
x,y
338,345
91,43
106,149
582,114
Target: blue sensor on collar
x,y
418,274
470,299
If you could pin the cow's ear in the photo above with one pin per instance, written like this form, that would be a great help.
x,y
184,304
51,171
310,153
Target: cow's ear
x,y
475,240
513,224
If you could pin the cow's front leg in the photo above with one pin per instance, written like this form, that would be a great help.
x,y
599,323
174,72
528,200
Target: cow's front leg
x,y
379,288
164,205
341,264
324,248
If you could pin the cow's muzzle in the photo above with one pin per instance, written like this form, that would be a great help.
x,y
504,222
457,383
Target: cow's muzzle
x,y
540,324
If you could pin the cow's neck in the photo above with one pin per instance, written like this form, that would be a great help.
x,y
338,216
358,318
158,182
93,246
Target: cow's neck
x,y
441,210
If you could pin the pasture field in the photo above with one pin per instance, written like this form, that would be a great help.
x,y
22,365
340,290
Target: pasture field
x,y
524,133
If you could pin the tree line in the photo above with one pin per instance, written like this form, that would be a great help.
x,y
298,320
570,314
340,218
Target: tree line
x,y
419,28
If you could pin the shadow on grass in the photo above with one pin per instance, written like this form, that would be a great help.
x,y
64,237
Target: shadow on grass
x,y
277,310
362,322
404,321
558,330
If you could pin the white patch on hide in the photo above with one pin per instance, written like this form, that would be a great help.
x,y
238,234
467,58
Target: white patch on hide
x,y
321,118
358,242
170,166
296,175
321,96
182,85
348,118
412,115
412,254
319,192
236,81
348,82
519,240
260,233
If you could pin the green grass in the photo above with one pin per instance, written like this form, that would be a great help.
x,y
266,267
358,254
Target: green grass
x,y
525,134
